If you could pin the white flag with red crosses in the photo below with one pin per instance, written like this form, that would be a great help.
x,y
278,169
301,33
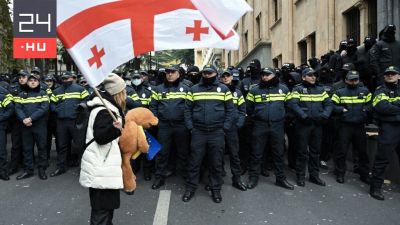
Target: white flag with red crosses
x,y
103,34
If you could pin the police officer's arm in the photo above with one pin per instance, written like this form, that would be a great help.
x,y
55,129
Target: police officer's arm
x,y
229,110
294,104
382,104
250,103
84,94
374,54
42,109
154,102
8,107
241,111
19,108
189,110
337,107
132,100
327,106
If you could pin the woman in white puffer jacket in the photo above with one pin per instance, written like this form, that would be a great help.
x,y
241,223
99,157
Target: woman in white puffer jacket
x,y
101,162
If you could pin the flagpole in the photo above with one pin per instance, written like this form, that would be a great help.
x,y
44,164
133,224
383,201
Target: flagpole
x,y
102,100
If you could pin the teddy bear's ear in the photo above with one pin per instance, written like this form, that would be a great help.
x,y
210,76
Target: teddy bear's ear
x,y
142,144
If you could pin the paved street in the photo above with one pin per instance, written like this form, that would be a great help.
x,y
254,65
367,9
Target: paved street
x,y
62,201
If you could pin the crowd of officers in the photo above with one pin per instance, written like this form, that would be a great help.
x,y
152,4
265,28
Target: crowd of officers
x,y
321,108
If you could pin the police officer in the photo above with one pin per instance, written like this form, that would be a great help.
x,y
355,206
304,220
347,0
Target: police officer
x,y
232,136
83,82
209,113
363,58
52,118
352,103
312,107
168,104
266,106
193,74
64,102
335,60
386,105
32,108
6,111
132,99
17,126
144,91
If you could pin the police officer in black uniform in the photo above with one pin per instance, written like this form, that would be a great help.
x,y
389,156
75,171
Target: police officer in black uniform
x,y
232,136
52,118
64,103
168,104
312,107
266,106
143,90
352,103
386,103
209,113
6,111
32,108
17,126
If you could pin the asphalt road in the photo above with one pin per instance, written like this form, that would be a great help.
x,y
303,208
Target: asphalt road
x,y
62,201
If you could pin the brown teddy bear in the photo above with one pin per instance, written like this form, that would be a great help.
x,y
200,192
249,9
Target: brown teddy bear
x,y
133,140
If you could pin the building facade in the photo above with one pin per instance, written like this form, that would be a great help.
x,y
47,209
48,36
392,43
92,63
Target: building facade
x,y
292,31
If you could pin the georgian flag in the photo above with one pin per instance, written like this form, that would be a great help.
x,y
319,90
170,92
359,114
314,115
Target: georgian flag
x,y
103,34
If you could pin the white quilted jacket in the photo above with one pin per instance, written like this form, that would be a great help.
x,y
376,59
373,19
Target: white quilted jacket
x,y
101,164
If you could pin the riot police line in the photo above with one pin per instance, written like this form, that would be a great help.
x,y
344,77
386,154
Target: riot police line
x,y
322,107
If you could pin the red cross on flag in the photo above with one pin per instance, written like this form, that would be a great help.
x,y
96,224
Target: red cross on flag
x,y
103,34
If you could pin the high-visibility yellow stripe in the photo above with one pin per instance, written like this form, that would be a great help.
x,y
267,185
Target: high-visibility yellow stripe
x,y
238,101
208,97
134,97
84,94
32,99
383,97
351,99
309,97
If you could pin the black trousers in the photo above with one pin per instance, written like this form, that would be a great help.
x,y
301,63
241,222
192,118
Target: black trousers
x,y
170,136
51,132
388,142
308,137
291,151
329,137
3,150
65,128
35,134
16,142
232,147
101,216
245,143
272,135
212,143
354,134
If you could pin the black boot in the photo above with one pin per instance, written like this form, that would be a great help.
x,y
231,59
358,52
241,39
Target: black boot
x,y
58,172
252,183
42,174
316,180
376,193
24,175
4,176
237,183
158,182
340,179
187,196
216,196
284,183
301,181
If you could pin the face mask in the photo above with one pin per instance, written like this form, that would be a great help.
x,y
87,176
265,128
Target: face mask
x,y
127,82
209,80
136,82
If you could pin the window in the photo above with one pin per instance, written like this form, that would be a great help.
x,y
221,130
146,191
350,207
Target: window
x,y
246,42
312,43
229,58
276,6
277,62
258,27
353,24
303,51
372,18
